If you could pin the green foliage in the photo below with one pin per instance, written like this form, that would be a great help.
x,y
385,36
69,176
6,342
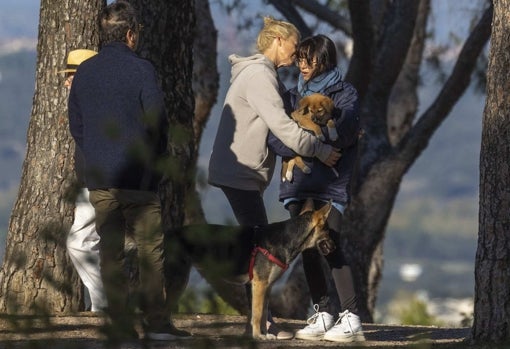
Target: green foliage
x,y
456,217
204,302
467,319
426,228
408,309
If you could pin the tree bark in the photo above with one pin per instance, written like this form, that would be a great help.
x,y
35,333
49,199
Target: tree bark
x,y
404,95
205,69
37,275
324,14
492,275
205,85
167,41
287,9
363,37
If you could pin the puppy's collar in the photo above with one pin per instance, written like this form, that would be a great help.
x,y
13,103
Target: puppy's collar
x,y
268,255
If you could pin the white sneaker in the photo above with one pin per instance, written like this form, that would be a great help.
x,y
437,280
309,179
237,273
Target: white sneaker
x,y
347,329
318,324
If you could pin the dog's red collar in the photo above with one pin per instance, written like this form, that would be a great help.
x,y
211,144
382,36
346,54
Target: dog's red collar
x,y
269,256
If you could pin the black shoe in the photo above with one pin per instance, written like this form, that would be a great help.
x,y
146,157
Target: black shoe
x,y
118,334
166,332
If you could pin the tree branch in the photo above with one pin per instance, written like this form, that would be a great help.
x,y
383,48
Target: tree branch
x,y
391,53
404,100
459,80
325,14
360,68
292,15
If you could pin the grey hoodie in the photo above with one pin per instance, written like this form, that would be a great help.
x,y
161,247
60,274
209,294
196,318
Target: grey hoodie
x,y
253,105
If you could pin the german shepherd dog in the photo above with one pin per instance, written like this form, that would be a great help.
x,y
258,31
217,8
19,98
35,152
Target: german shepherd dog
x,y
238,254
314,111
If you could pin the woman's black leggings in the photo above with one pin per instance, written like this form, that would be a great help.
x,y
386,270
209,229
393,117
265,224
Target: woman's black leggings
x,y
249,210
340,271
247,205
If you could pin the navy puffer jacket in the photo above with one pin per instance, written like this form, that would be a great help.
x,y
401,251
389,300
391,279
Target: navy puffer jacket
x,y
325,183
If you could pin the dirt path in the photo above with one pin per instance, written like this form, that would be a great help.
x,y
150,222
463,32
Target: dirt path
x,y
210,331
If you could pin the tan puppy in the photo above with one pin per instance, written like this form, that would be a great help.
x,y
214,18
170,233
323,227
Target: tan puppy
x,y
314,111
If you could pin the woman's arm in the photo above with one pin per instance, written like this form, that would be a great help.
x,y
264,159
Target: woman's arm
x,y
277,147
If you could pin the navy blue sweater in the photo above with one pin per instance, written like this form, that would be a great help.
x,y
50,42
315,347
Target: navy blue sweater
x,y
117,118
323,182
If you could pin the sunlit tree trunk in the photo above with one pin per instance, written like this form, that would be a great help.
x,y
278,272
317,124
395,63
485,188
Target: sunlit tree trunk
x,y
492,272
36,274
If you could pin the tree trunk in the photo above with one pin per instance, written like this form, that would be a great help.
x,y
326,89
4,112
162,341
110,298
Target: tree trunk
x,y
404,95
364,227
36,274
382,165
205,88
167,40
384,58
492,274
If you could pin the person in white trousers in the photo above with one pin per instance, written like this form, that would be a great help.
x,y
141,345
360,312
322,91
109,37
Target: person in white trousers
x,y
83,249
83,239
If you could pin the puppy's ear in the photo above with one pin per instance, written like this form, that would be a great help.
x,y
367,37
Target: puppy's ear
x,y
328,104
304,101
307,206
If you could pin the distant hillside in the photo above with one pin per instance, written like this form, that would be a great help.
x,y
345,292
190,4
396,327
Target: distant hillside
x,y
17,76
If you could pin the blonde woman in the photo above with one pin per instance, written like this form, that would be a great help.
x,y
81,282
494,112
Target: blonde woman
x,y
241,164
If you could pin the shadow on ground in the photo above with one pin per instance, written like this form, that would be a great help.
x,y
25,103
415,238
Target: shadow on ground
x,y
210,331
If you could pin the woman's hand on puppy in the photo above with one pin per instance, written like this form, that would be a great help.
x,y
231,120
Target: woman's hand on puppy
x,y
333,157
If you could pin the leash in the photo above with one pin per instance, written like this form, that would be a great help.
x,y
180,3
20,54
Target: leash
x,y
268,255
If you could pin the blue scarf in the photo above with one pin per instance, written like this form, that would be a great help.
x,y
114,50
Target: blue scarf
x,y
319,83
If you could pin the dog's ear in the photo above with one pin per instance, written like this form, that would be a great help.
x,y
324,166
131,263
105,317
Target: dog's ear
x,y
304,101
307,206
328,104
324,210
320,217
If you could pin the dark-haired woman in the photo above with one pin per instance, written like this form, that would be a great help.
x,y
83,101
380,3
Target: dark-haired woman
x,y
317,61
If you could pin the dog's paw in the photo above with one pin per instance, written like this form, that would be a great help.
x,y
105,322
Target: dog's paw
x,y
307,170
333,135
271,336
260,336
289,176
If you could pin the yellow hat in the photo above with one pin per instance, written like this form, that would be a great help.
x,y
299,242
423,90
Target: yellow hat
x,y
75,58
